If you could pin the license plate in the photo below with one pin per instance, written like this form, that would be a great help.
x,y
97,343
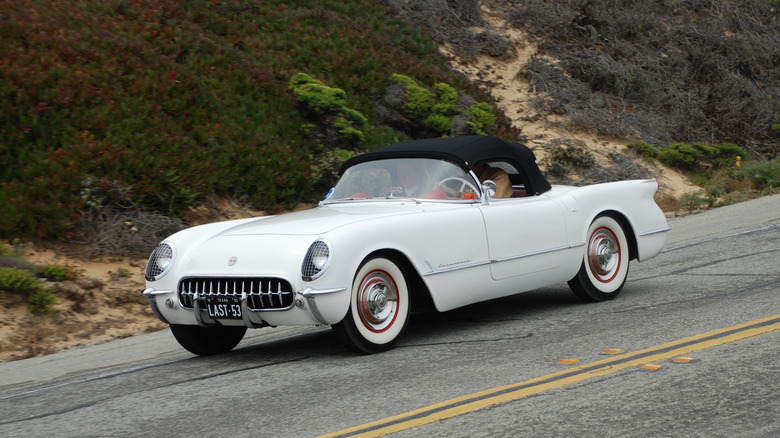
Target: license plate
x,y
223,307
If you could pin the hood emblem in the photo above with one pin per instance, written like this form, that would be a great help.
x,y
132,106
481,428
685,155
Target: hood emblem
x,y
232,261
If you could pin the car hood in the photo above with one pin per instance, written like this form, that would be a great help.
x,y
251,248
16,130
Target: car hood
x,y
318,220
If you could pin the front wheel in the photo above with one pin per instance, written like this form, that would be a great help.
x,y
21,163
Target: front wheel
x,y
379,307
207,341
605,263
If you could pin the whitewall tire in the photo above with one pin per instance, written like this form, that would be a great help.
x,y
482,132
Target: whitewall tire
x,y
605,261
379,306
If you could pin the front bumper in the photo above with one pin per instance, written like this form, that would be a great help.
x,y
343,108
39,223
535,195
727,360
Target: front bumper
x,y
311,306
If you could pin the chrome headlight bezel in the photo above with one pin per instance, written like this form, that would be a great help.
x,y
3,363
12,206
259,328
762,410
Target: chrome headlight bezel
x,y
317,259
161,261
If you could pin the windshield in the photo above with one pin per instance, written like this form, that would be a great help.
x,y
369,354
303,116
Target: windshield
x,y
419,178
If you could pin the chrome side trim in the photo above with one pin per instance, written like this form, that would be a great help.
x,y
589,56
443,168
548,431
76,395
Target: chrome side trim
x,y
436,270
150,295
310,294
660,230
535,253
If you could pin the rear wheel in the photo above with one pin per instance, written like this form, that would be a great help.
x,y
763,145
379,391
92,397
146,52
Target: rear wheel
x,y
604,266
207,341
379,307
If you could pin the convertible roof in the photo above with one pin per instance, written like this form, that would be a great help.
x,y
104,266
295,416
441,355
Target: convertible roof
x,y
466,152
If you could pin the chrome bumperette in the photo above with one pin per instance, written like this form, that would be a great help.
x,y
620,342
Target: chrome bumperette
x,y
309,294
150,295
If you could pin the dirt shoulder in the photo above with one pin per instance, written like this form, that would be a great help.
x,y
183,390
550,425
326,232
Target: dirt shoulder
x,y
103,303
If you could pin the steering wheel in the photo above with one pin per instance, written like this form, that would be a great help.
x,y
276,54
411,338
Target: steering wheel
x,y
463,184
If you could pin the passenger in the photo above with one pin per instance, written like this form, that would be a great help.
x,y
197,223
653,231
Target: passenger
x,y
503,186
412,179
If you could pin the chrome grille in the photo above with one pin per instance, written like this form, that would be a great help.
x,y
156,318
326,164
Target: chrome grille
x,y
262,293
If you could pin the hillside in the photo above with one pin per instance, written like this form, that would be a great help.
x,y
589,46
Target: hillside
x,y
124,121
137,111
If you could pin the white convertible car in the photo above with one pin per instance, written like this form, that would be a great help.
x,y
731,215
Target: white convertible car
x,y
407,226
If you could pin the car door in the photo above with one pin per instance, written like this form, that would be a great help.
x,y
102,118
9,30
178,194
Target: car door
x,y
525,237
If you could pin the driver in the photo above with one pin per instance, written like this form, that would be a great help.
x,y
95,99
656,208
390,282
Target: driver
x,y
503,186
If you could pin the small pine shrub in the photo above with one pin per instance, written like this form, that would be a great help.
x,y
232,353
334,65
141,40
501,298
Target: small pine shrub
x,y
762,174
573,156
680,155
695,200
17,281
419,101
315,95
692,157
58,273
644,150
41,301
727,155
437,112
327,107
482,117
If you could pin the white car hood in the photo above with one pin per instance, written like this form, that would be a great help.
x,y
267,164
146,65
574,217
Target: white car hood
x,y
318,220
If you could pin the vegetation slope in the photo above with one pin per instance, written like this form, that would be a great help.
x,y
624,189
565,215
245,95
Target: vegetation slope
x,y
132,111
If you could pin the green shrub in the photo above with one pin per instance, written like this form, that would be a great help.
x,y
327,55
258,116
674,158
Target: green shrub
x,y
419,101
762,174
645,150
41,301
695,200
725,155
694,156
17,281
436,111
680,155
481,117
573,156
440,123
125,273
58,273
315,95
327,106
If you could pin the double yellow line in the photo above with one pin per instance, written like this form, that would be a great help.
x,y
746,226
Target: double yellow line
x,y
503,394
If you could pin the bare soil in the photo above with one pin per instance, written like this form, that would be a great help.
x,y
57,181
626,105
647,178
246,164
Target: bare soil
x,y
105,302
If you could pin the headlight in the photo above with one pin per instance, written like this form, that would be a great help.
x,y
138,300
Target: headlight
x,y
161,261
317,259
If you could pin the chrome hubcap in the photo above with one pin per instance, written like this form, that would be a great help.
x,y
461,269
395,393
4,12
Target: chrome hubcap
x,y
377,301
604,254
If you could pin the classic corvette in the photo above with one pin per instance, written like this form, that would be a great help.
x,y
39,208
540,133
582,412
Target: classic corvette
x,y
413,225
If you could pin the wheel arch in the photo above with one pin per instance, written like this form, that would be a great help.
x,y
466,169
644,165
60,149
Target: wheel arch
x,y
420,294
633,250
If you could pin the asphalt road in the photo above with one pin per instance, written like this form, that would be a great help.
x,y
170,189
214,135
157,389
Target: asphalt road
x,y
487,370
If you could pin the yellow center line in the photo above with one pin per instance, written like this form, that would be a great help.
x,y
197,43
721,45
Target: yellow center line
x,y
502,394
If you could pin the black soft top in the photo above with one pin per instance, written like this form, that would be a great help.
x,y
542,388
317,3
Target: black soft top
x,y
465,152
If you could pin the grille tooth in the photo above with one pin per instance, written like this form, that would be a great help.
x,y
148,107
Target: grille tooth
x,y
263,293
